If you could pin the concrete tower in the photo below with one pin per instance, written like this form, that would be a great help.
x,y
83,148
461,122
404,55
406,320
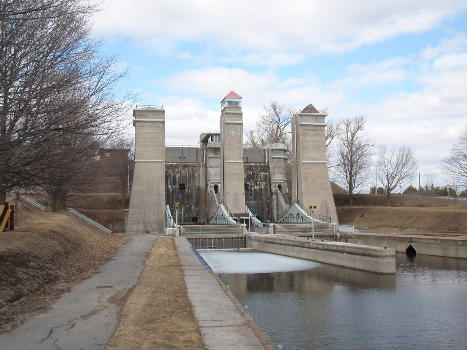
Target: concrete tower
x,y
232,176
277,161
210,174
310,181
147,201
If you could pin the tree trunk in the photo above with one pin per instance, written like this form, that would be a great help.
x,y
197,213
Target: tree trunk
x,y
61,200
52,201
388,196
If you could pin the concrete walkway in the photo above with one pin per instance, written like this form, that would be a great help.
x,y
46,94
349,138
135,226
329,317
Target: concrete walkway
x,y
86,317
222,326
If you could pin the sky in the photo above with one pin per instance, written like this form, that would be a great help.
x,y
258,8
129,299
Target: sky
x,y
400,64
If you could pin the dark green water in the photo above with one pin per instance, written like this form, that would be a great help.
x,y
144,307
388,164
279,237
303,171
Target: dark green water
x,y
423,306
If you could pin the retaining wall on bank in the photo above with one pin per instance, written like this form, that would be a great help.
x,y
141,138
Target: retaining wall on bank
x,y
452,248
355,256
222,323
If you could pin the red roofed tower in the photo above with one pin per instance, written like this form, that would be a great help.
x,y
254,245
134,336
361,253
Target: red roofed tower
x,y
232,99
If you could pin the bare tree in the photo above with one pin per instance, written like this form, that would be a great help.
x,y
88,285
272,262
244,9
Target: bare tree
x,y
332,131
120,163
456,165
68,159
53,85
353,155
395,168
272,126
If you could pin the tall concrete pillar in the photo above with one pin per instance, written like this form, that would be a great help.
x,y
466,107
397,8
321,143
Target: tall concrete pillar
x,y
210,174
277,162
232,176
310,181
147,200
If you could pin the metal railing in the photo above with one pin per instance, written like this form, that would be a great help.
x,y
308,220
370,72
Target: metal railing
x,y
284,204
215,197
169,219
222,216
77,214
34,203
149,106
314,215
254,221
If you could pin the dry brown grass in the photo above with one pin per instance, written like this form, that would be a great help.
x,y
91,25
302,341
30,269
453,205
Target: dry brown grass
x,y
341,199
158,313
421,219
46,250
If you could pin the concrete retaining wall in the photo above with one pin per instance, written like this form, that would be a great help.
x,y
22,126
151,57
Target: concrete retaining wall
x,y
222,323
452,248
355,256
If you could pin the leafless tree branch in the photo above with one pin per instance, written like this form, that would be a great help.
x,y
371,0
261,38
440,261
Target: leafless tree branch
x,y
456,164
395,168
353,155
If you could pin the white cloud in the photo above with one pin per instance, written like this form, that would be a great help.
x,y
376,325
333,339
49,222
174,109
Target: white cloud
x,y
455,43
119,67
429,118
186,119
392,70
286,29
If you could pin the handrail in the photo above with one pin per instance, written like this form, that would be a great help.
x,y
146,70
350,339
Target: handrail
x,y
222,216
297,210
283,202
169,217
257,222
324,218
32,202
77,214
215,197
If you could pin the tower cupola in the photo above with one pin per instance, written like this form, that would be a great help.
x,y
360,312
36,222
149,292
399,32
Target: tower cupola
x,y
231,100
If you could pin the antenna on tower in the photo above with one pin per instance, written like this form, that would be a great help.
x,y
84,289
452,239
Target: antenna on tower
x,y
230,76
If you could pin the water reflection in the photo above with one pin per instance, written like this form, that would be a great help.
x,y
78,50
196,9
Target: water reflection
x,y
430,262
423,306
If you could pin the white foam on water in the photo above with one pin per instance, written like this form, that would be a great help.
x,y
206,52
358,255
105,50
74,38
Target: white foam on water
x,y
253,262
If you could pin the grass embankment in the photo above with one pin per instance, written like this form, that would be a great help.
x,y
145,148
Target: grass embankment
x,y
158,313
398,201
404,218
407,213
44,257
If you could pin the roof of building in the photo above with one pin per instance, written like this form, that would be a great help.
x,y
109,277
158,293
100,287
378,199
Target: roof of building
x,y
232,94
310,109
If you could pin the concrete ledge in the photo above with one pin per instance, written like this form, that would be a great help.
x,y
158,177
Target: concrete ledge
x,y
355,256
445,246
222,325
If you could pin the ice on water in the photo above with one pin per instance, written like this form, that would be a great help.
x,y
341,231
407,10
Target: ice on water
x,y
253,262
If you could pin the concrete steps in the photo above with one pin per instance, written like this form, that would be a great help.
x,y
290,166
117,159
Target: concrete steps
x,y
191,230
303,228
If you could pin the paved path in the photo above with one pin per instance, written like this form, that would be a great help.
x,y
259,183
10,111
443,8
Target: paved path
x,y
86,317
222,326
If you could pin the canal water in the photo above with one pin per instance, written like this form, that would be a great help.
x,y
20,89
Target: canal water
x,y
317,306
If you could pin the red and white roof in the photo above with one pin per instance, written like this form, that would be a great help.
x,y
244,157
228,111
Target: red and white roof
x,y
232,94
